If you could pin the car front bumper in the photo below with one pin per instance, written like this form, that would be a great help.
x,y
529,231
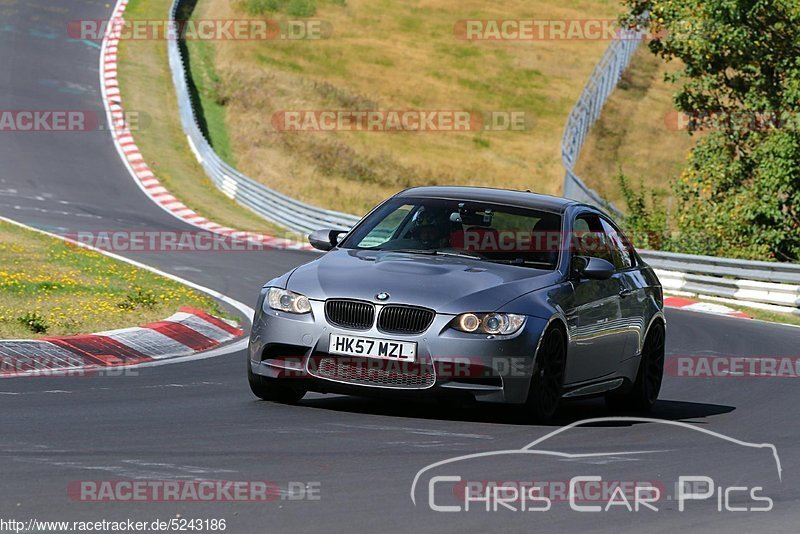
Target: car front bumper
x,y
449,362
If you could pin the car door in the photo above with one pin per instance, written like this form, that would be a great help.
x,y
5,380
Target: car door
x,y
594,313
633,297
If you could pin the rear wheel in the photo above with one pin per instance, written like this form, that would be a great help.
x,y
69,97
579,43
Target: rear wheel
x,y
643,394
547,380
271,389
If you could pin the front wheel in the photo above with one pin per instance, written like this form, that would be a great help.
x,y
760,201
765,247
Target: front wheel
x,y
271,389
644,393
547,380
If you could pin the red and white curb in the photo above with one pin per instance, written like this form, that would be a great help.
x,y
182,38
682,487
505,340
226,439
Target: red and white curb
x,y
705,307
188,332
133,159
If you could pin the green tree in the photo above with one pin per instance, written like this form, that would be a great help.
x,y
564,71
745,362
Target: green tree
x,y
645,223
740,85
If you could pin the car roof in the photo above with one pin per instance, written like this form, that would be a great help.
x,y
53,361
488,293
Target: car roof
x,y
524,199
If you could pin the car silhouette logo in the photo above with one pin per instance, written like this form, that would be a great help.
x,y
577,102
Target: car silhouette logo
x,y
382,295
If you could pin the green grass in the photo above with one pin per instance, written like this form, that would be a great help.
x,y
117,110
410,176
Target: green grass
x,y
207,84
763,315
756,313
48,287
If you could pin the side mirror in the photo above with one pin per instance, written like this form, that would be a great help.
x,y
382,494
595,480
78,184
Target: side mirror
x,y
592,268
324,239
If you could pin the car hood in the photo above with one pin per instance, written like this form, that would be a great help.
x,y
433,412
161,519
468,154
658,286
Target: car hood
x,y
445,284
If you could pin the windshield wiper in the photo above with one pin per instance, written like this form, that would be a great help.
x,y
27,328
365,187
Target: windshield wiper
x,y
434,252
519,261
458,255
428,252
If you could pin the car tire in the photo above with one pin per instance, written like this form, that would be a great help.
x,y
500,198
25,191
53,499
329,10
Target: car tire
x,y
642,395
547,380
270,389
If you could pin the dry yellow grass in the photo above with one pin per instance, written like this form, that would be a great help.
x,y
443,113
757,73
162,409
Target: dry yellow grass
x,y
636,133
403,55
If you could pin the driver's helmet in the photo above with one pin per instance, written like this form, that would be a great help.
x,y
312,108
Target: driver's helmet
x,y
429,227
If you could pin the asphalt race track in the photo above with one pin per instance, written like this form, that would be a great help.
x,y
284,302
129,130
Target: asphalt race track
x,y
199,419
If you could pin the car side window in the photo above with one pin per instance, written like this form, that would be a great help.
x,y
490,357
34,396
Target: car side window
x,y
589,238
618,246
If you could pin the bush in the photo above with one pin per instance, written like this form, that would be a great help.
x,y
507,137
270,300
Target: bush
x,y
645,224
138,298
34,322
742,203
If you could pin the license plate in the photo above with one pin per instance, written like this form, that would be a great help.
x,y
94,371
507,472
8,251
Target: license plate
x,y
372,348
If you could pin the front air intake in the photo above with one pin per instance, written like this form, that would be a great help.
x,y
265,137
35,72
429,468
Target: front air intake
x,y
405,319
352,314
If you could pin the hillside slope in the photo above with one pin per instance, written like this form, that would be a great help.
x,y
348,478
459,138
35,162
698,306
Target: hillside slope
x,y
638,134
391,55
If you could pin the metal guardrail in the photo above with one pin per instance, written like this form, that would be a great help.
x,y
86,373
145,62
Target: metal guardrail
x,y
759,284
601,84
764,271
270,204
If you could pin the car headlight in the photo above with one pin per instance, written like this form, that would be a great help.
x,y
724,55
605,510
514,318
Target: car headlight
x,y
489,323
286,301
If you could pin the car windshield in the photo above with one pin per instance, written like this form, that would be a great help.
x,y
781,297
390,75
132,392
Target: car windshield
x,y
479,230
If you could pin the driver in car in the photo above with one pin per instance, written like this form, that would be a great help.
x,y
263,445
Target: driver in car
x,y
430,229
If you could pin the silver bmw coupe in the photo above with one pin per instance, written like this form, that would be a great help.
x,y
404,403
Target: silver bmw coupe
x,y
484,294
